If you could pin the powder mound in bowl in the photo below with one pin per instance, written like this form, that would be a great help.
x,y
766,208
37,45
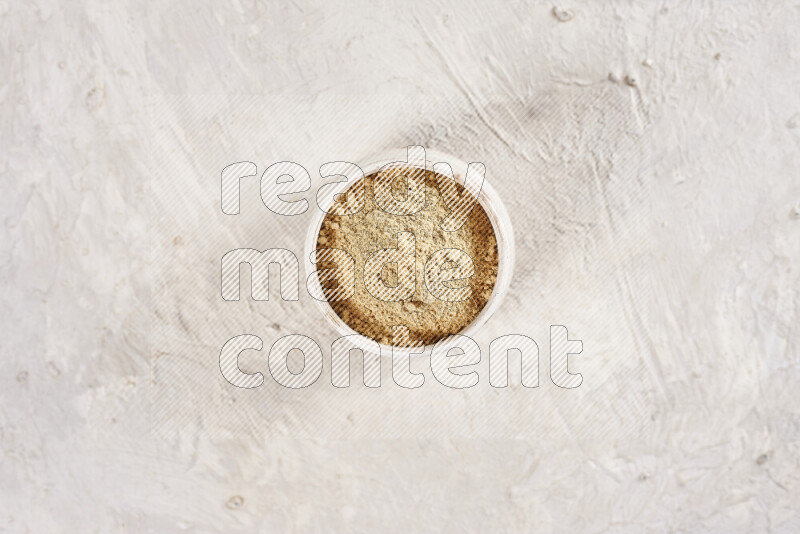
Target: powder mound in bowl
x,y
371,229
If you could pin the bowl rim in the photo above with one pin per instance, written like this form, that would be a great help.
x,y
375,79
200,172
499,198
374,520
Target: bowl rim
x,y
489,200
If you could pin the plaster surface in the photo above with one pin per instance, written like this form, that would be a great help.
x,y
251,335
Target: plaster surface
x,y
648,155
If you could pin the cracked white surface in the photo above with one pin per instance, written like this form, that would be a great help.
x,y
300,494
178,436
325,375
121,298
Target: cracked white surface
x,y
649,159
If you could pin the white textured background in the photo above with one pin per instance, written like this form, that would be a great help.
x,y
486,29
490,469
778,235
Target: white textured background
x,y
649,158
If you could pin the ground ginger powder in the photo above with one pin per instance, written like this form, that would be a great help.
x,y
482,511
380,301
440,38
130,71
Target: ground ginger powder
x,y
428,318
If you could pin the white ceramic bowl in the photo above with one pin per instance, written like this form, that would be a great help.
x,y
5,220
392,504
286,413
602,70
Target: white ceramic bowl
x,y
488,199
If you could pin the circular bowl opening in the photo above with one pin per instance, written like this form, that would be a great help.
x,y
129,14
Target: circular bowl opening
x,y
489,201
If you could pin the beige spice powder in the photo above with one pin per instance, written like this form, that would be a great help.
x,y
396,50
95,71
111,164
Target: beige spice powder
x,y
428,318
